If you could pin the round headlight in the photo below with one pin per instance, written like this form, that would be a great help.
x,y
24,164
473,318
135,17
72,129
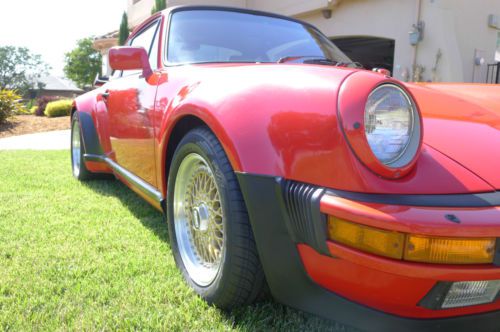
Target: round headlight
x,y
392,125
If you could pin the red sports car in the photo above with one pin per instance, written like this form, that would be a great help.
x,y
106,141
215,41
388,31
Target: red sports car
x,y
278,160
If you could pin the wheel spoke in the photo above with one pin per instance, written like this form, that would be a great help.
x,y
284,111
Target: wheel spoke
x,y
201,237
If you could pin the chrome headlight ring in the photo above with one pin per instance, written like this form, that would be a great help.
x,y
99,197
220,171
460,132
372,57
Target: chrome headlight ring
x,y
392,125
381,123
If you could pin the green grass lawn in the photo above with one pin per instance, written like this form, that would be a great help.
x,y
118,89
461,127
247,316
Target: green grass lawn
x,y
94,256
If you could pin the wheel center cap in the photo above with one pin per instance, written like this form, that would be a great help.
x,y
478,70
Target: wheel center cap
x,y
201,217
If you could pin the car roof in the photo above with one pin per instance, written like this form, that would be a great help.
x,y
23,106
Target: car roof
x,y
173,9
170,10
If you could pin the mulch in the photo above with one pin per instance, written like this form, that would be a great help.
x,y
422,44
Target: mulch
x,y
29,124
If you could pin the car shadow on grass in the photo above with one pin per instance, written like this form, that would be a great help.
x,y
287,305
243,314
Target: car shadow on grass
x,y
264,315
145,213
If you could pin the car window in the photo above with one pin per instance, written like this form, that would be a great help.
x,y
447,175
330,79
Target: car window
x,y
197,36
145,39
153,53
202,53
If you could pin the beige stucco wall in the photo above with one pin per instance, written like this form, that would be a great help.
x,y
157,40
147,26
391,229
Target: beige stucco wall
x,y
455,27
231,3
290,7
462,26
365,18
458,28
139,11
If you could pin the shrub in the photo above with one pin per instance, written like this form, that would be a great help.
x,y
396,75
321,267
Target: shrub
x,y
42,104
21,110
59,108
9,104
30,104
33,109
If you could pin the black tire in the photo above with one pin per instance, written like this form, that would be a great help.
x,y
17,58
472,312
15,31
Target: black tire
x,y
240,279
78,167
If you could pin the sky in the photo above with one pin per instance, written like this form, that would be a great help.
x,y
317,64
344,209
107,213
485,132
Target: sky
x,y
52,27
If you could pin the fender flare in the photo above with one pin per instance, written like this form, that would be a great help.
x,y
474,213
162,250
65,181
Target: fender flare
x,y
90,139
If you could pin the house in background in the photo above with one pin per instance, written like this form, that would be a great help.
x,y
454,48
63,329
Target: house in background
x,y
140,10
103,44
417,40
53,86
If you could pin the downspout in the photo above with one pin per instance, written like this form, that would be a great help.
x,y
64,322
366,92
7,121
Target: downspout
x,y
418,11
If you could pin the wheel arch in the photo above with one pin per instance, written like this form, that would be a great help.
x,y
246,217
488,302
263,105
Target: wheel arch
x,y
181,128
90,136
73,110
178,128
84,106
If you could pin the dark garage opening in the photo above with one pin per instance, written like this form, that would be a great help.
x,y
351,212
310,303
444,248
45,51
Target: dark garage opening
x,y
371,52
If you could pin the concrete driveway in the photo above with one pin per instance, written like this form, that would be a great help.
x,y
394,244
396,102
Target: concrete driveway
x,y
51,140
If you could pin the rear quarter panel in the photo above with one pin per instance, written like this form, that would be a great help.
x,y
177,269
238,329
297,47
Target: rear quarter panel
x,y
93,105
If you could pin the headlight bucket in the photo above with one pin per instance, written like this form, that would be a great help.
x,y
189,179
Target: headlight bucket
x,y
353,97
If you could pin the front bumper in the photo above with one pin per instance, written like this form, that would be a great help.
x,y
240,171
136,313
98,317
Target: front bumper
x,y
306,271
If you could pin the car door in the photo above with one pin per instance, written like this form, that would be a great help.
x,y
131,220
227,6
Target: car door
x,y
130,104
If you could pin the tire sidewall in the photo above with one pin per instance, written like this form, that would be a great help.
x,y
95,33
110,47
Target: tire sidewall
x,y
194,142
74,120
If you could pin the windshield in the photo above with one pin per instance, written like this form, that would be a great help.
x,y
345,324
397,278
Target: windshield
x,y
200,36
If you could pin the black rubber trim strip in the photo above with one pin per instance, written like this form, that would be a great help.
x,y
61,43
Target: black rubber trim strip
x,y
136,181
305,222
320,224
290,284
435,298
488,199
496,258
89,134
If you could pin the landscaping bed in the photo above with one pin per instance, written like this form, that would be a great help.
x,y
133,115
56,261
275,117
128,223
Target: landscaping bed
x,y
29,124
95,257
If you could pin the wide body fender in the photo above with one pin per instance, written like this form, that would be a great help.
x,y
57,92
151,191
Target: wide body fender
x,y
92,115
282,121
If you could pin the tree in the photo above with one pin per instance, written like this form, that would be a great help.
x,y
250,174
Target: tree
x,y
83,63
20,69
159,6
124,32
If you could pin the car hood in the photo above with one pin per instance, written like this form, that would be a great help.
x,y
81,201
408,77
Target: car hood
x,y
462,121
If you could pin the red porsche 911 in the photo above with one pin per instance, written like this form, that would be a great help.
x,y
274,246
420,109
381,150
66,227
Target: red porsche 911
x,y
277,160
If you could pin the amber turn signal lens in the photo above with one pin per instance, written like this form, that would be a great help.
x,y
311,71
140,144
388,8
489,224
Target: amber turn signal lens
x,y
365,238
449,250
408,247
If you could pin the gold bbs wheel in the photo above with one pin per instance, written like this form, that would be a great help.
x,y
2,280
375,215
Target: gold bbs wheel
x,y
210,233
199,218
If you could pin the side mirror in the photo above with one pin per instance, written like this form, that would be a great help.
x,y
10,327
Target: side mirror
x,y
100,80
130,58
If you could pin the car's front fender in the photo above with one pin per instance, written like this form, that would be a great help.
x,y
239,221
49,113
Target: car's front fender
x,y
282,121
